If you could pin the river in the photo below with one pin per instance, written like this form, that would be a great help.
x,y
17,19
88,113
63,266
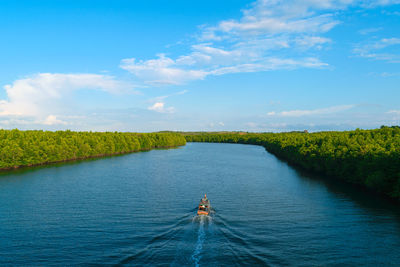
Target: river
x,y
139,210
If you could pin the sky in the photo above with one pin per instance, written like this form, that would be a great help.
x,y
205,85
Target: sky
x,y
144,66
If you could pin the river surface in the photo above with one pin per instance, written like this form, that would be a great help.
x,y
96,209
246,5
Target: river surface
x,y
139,210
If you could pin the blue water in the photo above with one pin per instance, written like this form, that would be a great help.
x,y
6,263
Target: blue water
x,y
139,210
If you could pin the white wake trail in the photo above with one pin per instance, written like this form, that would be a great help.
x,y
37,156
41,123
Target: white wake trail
x,y
200,240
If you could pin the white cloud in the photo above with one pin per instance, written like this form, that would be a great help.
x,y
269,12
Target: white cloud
x,y
162,70
163,97
159,103
160,107
369,30
179,72
52,120
257,23
385,42
270,35
300,113
389,74
312,41
395,112
376,50
375,3
251,44
40,96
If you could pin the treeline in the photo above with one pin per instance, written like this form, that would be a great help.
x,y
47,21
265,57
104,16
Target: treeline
x,y
28,148
370,158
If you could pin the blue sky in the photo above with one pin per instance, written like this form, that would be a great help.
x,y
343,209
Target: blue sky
x,y
264,65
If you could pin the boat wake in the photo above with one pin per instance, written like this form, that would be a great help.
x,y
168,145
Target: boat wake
x,y
199,245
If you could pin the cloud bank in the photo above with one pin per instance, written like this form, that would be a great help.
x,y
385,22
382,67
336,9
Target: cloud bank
x,y
301,113
42,96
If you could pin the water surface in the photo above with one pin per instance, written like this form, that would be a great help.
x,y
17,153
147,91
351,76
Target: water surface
x,y
139,210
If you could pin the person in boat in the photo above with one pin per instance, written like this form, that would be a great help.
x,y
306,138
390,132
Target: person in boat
x,y
204,199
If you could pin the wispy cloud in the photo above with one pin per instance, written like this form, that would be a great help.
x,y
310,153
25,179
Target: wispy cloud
x,y
312,41
376,50
375,3
216,126
268,36
301,113
159,103
370,30
394,112
250,44
276,17
390,74
163,97
161,71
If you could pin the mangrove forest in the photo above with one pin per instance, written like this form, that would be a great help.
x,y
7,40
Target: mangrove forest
x,y
370,158
29,148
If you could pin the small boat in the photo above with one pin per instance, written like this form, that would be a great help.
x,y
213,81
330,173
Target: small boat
x,y
204,206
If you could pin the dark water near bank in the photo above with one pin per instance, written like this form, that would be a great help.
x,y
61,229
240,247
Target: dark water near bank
x,y
138,210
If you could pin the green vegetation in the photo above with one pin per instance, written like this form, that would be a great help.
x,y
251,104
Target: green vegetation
x,y
370,158
28,148
366,157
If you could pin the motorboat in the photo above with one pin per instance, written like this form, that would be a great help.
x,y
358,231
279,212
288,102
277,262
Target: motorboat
x,y
204,206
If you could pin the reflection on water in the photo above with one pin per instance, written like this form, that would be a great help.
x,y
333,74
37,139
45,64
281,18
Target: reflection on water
x,y
139,209
363,198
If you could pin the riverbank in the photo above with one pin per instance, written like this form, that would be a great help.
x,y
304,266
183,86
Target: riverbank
x,y
368,158
34,148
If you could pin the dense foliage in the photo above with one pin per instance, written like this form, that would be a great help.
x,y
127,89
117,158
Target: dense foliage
x,y
366,157
27,148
